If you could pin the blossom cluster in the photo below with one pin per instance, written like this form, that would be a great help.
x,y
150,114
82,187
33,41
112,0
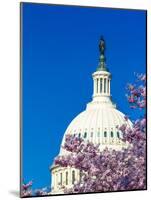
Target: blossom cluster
x,y
27,191
137,93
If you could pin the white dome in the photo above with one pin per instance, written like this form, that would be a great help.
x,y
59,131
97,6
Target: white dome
x,y
98,124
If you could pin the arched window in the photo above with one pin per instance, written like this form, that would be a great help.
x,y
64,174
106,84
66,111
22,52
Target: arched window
x,y
66,178
105,134
80,175
118,134
73,177
79,134
101,85
60,178
108,86
85,134
97,81
105,85
112,134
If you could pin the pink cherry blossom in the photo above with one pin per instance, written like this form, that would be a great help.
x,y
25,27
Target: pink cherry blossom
x,y
111,170
107,170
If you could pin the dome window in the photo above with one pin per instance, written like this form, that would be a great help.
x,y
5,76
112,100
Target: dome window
x,y
66,178
85,134
80,175
108,86
101,85
73,177
105,134
97,85
105,85
112,134
98,134
91,134
118,135
60,178
79,135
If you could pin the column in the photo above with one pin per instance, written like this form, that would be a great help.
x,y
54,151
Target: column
x,y
102,85
56,180
95,82
94,86
109,86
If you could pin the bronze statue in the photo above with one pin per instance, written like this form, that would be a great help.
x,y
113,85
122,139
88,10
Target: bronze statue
x,y
102,45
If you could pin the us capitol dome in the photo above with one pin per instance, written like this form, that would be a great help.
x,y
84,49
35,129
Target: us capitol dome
x,y
98,123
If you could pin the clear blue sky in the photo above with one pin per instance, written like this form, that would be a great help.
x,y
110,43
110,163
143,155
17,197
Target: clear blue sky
x,y
60,52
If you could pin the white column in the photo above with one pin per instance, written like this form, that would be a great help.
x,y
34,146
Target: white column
x,y
97,85
67,177
62,176
103,85
109,86
56,180
54,177
94,86
106,86
78,175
